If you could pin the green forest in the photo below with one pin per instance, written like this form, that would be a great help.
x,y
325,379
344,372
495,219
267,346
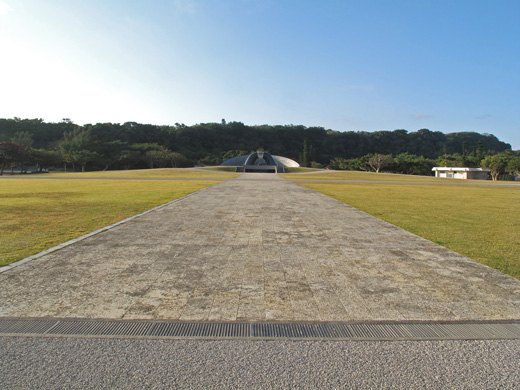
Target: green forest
x,y
67,146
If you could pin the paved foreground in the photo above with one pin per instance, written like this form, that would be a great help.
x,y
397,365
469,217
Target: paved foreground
x,y
54,363
258,248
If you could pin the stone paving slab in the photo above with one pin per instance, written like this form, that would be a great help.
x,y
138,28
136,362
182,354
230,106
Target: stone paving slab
x,y
258,248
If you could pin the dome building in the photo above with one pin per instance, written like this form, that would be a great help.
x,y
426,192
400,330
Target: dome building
x,y
260,162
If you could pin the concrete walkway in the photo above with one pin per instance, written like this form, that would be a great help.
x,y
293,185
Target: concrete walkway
x,y
258,248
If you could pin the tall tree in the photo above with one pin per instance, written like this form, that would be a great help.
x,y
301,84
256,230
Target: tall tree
x,y
23,138
13,153
496,164
380,161
480,149
304,156
513,165
176,160
46,158
8,152
74,145
155,155
84,157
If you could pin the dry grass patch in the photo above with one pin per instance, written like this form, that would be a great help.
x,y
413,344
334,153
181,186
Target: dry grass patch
x,y
301,170
38,214
481,222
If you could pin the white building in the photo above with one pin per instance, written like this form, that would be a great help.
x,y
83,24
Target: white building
x,y
462,173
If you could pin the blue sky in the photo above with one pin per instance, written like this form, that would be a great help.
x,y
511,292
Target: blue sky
x,y
360,65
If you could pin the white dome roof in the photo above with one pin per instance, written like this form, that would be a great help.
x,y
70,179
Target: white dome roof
x,y
240,160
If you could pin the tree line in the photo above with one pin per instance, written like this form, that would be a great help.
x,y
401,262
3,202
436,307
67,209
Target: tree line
x,y
504,165
134,145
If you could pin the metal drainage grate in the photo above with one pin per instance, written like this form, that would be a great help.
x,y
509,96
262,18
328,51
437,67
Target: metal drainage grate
x,y
262,330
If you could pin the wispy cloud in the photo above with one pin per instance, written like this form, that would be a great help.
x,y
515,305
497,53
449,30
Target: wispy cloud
x,y
484,116
421,116
187,6
4,8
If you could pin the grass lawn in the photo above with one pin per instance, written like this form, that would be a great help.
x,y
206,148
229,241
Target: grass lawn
x,y
481,222
177,173
38,214
370,176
